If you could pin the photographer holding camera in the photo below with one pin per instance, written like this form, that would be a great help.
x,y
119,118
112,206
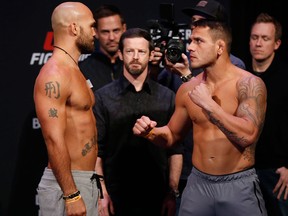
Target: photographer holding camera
x,y
209,9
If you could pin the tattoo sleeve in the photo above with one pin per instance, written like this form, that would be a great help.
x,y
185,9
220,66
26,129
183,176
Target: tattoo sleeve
x,y
252,105
252,97
230,134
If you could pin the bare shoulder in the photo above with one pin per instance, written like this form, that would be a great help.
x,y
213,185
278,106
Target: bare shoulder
x,y
250,85
53,69
51,75
188,86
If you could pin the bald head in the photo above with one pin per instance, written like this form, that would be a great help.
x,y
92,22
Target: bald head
x,y
73,27
67,13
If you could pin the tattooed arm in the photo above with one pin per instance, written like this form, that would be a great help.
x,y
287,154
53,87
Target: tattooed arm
x,y
252,108
243,127
51,92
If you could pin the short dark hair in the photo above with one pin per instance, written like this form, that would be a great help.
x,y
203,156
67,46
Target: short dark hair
x,y
107,10
219,30
136,33
266,18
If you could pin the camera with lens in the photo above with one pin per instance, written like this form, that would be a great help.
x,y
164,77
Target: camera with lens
x,y
175,48
166,35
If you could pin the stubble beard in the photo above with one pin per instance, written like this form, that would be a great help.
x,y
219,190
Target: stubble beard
x,y
134,71
84,44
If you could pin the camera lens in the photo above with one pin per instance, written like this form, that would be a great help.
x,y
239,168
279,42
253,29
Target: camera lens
x,y
173,54
175,48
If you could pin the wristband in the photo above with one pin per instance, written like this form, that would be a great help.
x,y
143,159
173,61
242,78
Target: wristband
x,y
175,193
186,78
71,196
73,199
149,134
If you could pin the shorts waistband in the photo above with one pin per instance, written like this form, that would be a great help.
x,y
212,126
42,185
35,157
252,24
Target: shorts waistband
x,y
225,178
76,173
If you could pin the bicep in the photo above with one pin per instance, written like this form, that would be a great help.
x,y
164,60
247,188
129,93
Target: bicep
x,y
252,100
50,104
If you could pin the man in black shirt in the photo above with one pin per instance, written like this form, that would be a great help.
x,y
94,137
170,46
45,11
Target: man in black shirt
x,y
135,170
271,158
104,66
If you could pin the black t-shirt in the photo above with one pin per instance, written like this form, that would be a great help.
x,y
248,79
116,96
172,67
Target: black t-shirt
x,y
272,146
99,70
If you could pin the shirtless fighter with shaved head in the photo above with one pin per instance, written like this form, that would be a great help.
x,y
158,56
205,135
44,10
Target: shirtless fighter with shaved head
x,y
64,104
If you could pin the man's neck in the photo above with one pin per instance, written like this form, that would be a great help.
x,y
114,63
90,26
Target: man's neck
x,y
112,56
136,80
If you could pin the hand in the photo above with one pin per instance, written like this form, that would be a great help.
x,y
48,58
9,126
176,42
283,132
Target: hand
x,y
179,68
282,184
157,57
143,126
201,94
76,208
105,206
169,205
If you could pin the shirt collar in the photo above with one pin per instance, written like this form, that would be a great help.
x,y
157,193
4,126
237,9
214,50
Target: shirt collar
x,y
127,86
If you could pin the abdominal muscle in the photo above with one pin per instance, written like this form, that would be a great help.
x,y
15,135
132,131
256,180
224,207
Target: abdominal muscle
x,y
81,140
214,154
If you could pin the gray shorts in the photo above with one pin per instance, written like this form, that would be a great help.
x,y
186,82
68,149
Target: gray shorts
x,y
236,194
50,194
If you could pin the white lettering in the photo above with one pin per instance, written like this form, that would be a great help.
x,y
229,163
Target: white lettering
x,y
41,58
83,57
35,57
187,34
47,56
35,123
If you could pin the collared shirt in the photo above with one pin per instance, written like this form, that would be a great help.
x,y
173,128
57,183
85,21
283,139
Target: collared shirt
x,y
117,108
99,70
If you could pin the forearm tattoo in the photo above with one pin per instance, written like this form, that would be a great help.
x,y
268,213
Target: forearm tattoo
x,y
88,146
231,135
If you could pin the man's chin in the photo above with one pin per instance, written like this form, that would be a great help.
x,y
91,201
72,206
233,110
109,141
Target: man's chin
x,y
135,72
112,53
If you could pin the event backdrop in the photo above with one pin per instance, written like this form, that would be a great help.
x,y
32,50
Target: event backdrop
x,y
26,44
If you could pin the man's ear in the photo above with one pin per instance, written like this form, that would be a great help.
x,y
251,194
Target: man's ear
x,y
74,28
221,47
277,44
